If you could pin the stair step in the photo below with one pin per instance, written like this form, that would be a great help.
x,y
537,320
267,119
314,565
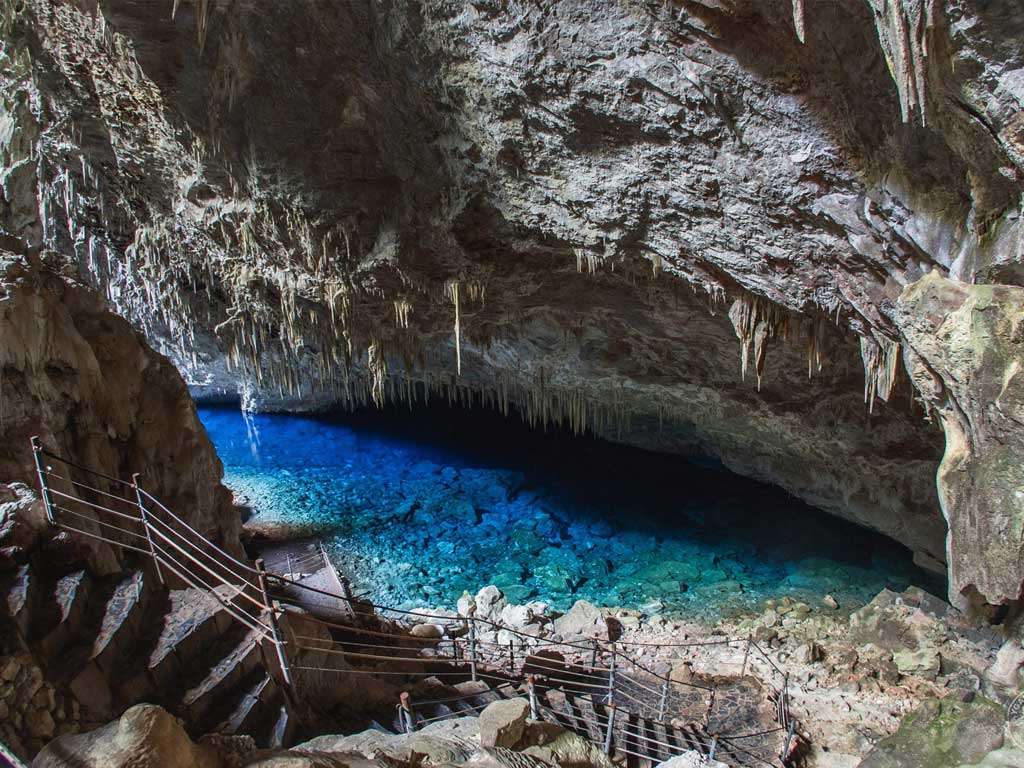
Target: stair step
x,y
660,734
17,590
558,703
235,654
252,696
107,626
68,600
693,739
122,623
648,742
281,731
587,715
194,621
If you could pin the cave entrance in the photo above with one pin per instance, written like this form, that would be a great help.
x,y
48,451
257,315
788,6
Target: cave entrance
x,y
418,506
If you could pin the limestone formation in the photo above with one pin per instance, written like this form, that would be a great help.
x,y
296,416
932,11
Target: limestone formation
x,y
592,213
145,736
81,379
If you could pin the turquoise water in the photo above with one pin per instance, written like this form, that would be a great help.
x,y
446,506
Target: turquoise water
x,y
418,507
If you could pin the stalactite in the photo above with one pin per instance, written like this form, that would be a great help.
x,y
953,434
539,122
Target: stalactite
x,y
903,28
798,19
815,344
756,320
881,358
452,290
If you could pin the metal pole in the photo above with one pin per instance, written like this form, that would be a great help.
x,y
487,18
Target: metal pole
x,y
346,587
511,658
405,712
714,747
785,699
608,733
664,701
593,654
611,677
44,489
270,608
789,740
144,516
472,649
532,692
746,655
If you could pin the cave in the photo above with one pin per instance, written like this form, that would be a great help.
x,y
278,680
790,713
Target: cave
x,y
549,382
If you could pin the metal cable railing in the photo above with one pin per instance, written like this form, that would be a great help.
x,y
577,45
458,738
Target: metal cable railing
x,y
125,515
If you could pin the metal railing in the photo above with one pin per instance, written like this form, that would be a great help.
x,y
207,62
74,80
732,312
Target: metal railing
x,y
358,637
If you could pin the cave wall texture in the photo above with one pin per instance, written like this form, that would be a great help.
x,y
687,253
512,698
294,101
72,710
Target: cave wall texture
x,y
89,386
782,232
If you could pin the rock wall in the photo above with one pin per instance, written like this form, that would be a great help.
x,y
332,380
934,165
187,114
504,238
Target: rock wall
x,y
89,386
684,225
965,349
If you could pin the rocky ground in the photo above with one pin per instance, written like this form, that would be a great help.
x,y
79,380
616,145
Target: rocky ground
x,y
900,683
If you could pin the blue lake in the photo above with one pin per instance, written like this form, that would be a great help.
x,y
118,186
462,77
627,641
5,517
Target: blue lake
x,y
419,506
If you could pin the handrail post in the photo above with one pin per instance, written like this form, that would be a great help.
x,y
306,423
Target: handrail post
x,y
406,713
593,654
144,516
663,704
789,740
611,676
532,693
44,489
472,647
785,699
608,733
714,747
511,657
268,606
746,655
346,587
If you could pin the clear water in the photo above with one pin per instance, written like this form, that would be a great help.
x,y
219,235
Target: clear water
x,y
419,507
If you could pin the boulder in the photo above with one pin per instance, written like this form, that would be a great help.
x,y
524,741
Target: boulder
x,y
466,605
490,602
922,663
583,619
1003,679
146,736
940,733
430,631
502,723
691,759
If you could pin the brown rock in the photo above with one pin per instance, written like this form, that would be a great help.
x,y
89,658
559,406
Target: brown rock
x,y
502,723
145,736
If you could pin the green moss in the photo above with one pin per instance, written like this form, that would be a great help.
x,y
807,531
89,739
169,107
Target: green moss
x,y
942,733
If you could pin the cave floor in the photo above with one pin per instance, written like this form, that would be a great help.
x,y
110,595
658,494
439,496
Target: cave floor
x,y
416,508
